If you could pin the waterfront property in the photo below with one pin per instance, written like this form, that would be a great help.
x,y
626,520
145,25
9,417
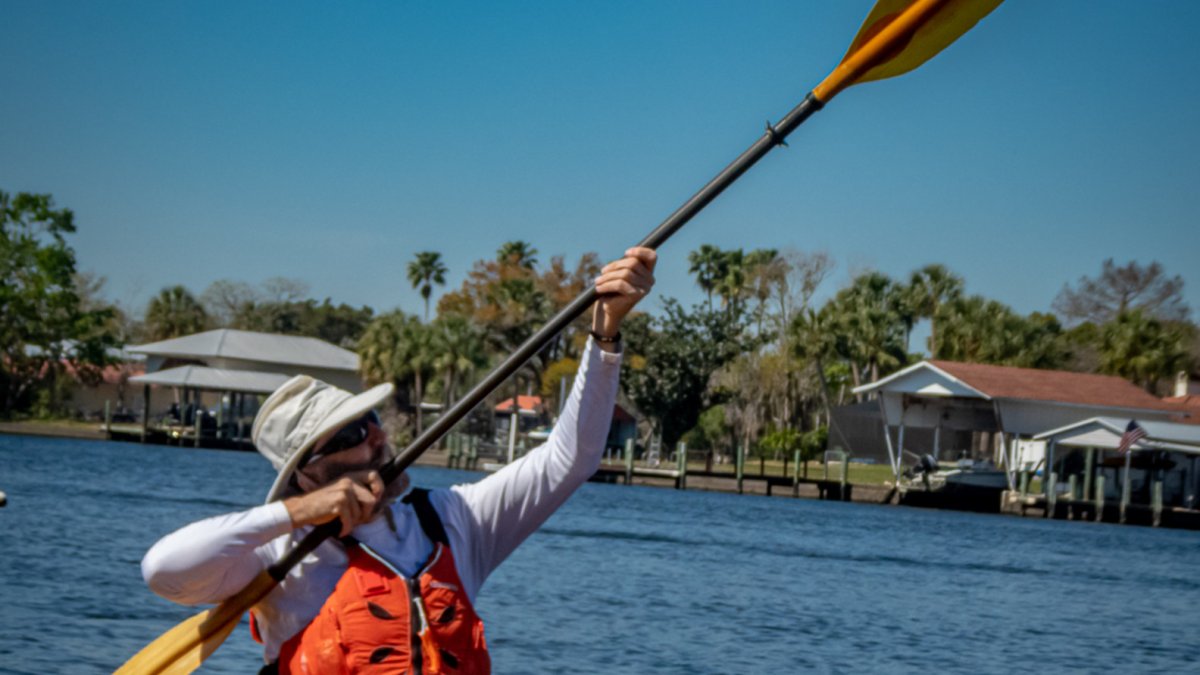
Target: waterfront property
x,y
1088,477
230,371
994,413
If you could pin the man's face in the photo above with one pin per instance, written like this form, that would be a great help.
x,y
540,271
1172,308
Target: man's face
x,y
354,450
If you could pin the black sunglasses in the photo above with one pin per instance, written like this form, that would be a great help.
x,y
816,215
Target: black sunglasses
x,y
349,436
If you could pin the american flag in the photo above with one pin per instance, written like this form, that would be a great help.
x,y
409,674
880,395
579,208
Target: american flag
x,y
1133,432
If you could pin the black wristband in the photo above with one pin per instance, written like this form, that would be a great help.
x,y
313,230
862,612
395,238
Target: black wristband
x,y
606,339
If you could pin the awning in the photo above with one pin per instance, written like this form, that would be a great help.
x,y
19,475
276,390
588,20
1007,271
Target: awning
x,y
216,379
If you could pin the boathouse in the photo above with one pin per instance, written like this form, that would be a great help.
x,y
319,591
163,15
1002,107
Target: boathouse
x,y
994,412
233,370
1160,473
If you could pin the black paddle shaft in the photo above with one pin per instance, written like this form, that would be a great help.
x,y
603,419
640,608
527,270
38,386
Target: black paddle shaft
x,y
774,135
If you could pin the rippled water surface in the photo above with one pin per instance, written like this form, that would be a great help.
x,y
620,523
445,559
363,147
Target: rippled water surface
x,y
631,580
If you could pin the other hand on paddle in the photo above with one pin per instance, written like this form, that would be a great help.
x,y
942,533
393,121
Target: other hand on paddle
x,y
621,285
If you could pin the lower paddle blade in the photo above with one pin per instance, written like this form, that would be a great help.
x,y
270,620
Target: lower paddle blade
x,y
183,648
191,659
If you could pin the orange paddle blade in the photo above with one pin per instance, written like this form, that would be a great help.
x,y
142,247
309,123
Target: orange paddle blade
x,y
183,648
899,36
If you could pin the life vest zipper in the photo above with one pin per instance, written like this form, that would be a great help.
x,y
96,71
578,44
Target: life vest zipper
x,y
418,622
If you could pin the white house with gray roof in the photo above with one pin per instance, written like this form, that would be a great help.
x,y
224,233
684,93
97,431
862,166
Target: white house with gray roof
x,y
234,369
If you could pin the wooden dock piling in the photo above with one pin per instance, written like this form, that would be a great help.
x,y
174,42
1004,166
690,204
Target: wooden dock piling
x,y
1071,497
681,461
741,466
796,473
1051,495
1156,502
629,461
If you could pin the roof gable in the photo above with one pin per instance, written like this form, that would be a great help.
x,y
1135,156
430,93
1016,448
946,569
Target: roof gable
x,y
925,379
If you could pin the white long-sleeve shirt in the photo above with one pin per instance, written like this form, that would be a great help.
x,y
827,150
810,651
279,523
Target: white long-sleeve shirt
x,y
211,560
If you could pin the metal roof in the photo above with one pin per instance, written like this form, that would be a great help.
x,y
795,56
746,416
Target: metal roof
x,y
1166,435
245,345
218,379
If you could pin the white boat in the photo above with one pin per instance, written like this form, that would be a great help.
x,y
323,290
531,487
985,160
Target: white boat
x,y
969,486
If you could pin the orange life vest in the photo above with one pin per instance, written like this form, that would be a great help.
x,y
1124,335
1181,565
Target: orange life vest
x,y
378,621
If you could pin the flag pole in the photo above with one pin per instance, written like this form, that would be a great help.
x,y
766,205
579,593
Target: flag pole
x,y
1125,487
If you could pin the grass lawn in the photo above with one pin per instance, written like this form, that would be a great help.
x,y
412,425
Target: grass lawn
x,y
54,427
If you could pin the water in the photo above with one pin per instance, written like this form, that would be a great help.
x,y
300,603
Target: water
x,y
630,580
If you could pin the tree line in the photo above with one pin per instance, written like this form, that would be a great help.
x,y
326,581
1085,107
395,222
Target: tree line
x,y
759,361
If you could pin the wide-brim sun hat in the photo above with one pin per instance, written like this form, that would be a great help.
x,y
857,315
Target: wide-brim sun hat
x,y
298,414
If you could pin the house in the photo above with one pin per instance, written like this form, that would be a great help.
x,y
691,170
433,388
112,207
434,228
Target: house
x,y
234,370
113,389
1169,454
531,410
994,412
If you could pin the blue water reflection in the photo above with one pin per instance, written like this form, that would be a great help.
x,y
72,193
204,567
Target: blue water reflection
x,y
630,580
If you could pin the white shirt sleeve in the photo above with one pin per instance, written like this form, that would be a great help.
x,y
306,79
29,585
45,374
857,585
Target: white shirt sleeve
x,y
487,520
211,559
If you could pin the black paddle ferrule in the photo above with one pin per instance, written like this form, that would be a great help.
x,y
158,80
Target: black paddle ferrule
x,y
775,135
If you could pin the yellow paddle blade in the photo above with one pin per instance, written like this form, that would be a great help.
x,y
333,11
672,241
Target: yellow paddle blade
x,y
899,36
183,648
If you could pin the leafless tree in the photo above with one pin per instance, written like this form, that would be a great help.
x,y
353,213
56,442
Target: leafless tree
x,y
224,298
1120,289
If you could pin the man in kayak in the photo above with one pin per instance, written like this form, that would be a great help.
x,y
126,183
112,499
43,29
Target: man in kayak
x,y
396,592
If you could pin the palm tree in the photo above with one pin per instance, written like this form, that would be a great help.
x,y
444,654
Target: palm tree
x,y
765,270
377,348
868,332
459,349
1141,348
519,253
813,339
973,329
731,284
424,271
399,348
985,331
905,303
931,287
705,263
174,312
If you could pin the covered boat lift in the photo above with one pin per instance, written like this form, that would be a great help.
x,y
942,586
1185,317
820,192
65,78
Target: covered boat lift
x,y
1160,473
240,368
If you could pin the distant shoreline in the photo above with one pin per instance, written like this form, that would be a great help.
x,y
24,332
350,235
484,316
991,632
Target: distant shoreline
x,y
93,431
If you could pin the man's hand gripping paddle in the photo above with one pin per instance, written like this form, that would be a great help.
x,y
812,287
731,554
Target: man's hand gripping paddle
x,y
897,36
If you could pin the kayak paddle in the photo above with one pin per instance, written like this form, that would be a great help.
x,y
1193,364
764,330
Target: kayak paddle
x,y
897,36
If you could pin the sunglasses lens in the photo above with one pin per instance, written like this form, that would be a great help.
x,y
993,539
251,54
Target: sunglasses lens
x,y
349,436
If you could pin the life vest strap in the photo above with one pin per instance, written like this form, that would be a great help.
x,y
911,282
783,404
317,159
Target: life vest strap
x,y
431,523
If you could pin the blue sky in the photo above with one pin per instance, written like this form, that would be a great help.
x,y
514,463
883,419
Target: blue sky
x,y
329,142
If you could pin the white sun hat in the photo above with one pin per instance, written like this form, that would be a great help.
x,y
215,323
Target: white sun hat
x,y
301,412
